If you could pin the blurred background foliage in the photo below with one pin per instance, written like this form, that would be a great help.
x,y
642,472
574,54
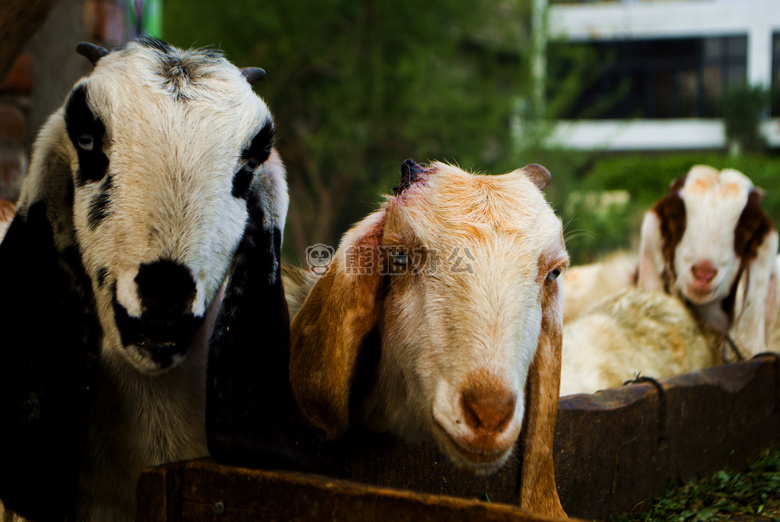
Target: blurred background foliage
x,y
357,87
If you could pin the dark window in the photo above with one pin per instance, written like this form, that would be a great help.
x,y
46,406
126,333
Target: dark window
x,y
660,78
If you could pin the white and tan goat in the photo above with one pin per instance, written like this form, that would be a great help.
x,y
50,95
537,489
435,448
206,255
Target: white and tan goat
x,y
710,243
634,332
154,185
439,318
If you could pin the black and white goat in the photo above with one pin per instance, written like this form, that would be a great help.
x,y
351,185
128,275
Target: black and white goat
x,y
153,206
709,242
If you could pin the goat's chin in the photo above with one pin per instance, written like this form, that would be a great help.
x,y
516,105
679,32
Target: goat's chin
x,y
140,358
466,460
700,295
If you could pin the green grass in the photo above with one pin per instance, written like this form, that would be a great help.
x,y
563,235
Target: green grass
x,y
754,493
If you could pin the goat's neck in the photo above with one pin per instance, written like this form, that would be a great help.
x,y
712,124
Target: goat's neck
x,y
138,421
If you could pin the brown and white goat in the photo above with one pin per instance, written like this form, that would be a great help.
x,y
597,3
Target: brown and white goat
x,y
709,242
439,319
634,332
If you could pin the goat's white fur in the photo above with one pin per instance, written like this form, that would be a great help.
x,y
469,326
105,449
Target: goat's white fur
x,y
172,163
633,332
713,203
583,285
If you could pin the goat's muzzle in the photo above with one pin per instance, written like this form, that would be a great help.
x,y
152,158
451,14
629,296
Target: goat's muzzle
x,y
167,325
480,432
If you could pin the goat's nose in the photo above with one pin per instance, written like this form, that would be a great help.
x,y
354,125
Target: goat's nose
x,y
488,410
166,288
704,271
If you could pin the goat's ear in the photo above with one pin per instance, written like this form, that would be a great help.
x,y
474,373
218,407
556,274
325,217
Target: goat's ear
x,y
538,493
756,243
50,341
251,416
538,174
651,260
327,332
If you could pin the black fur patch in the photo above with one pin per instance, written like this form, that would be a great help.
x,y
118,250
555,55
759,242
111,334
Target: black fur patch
x,y
260,146
159,339
166,288
80,122
155,43
241,182
100,207
251,414
256,153
49,351
166,327
102,274
179,71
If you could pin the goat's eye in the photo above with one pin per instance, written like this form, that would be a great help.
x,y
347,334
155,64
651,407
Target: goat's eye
x,y
251,164
86,142
553,275
399,258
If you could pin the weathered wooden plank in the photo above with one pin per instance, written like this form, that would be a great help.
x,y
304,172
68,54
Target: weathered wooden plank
x,y
614,451
617,449
158,495
239,493
384,461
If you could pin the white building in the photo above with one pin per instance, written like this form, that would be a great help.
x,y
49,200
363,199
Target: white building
x,y
678,57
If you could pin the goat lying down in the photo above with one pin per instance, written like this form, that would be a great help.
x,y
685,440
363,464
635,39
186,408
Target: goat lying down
x,y
145,194
7,210
439,318
710,243
634,332
583,285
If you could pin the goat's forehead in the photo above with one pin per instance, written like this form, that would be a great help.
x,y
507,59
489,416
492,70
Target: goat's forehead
x,y
146,85
707,184
487,212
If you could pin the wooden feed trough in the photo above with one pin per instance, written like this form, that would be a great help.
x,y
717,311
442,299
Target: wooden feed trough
x,y
614,452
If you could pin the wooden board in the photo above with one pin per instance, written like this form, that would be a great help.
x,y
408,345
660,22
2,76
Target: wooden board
x,y
614,451
206,491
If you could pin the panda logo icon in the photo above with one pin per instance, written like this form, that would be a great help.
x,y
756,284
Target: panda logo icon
x,y
319,257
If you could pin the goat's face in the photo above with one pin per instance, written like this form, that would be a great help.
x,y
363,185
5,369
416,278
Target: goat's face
x,y
473,263
702,225
164,146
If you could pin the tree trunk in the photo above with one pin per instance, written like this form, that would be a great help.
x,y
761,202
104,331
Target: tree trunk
x,y
19,20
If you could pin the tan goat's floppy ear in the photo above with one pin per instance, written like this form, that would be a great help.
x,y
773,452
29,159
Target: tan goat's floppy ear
x,y
538,493
331,325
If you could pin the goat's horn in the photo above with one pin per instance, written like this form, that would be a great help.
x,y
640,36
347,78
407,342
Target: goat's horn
x,y
538,174
91,52
410,172
253,74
